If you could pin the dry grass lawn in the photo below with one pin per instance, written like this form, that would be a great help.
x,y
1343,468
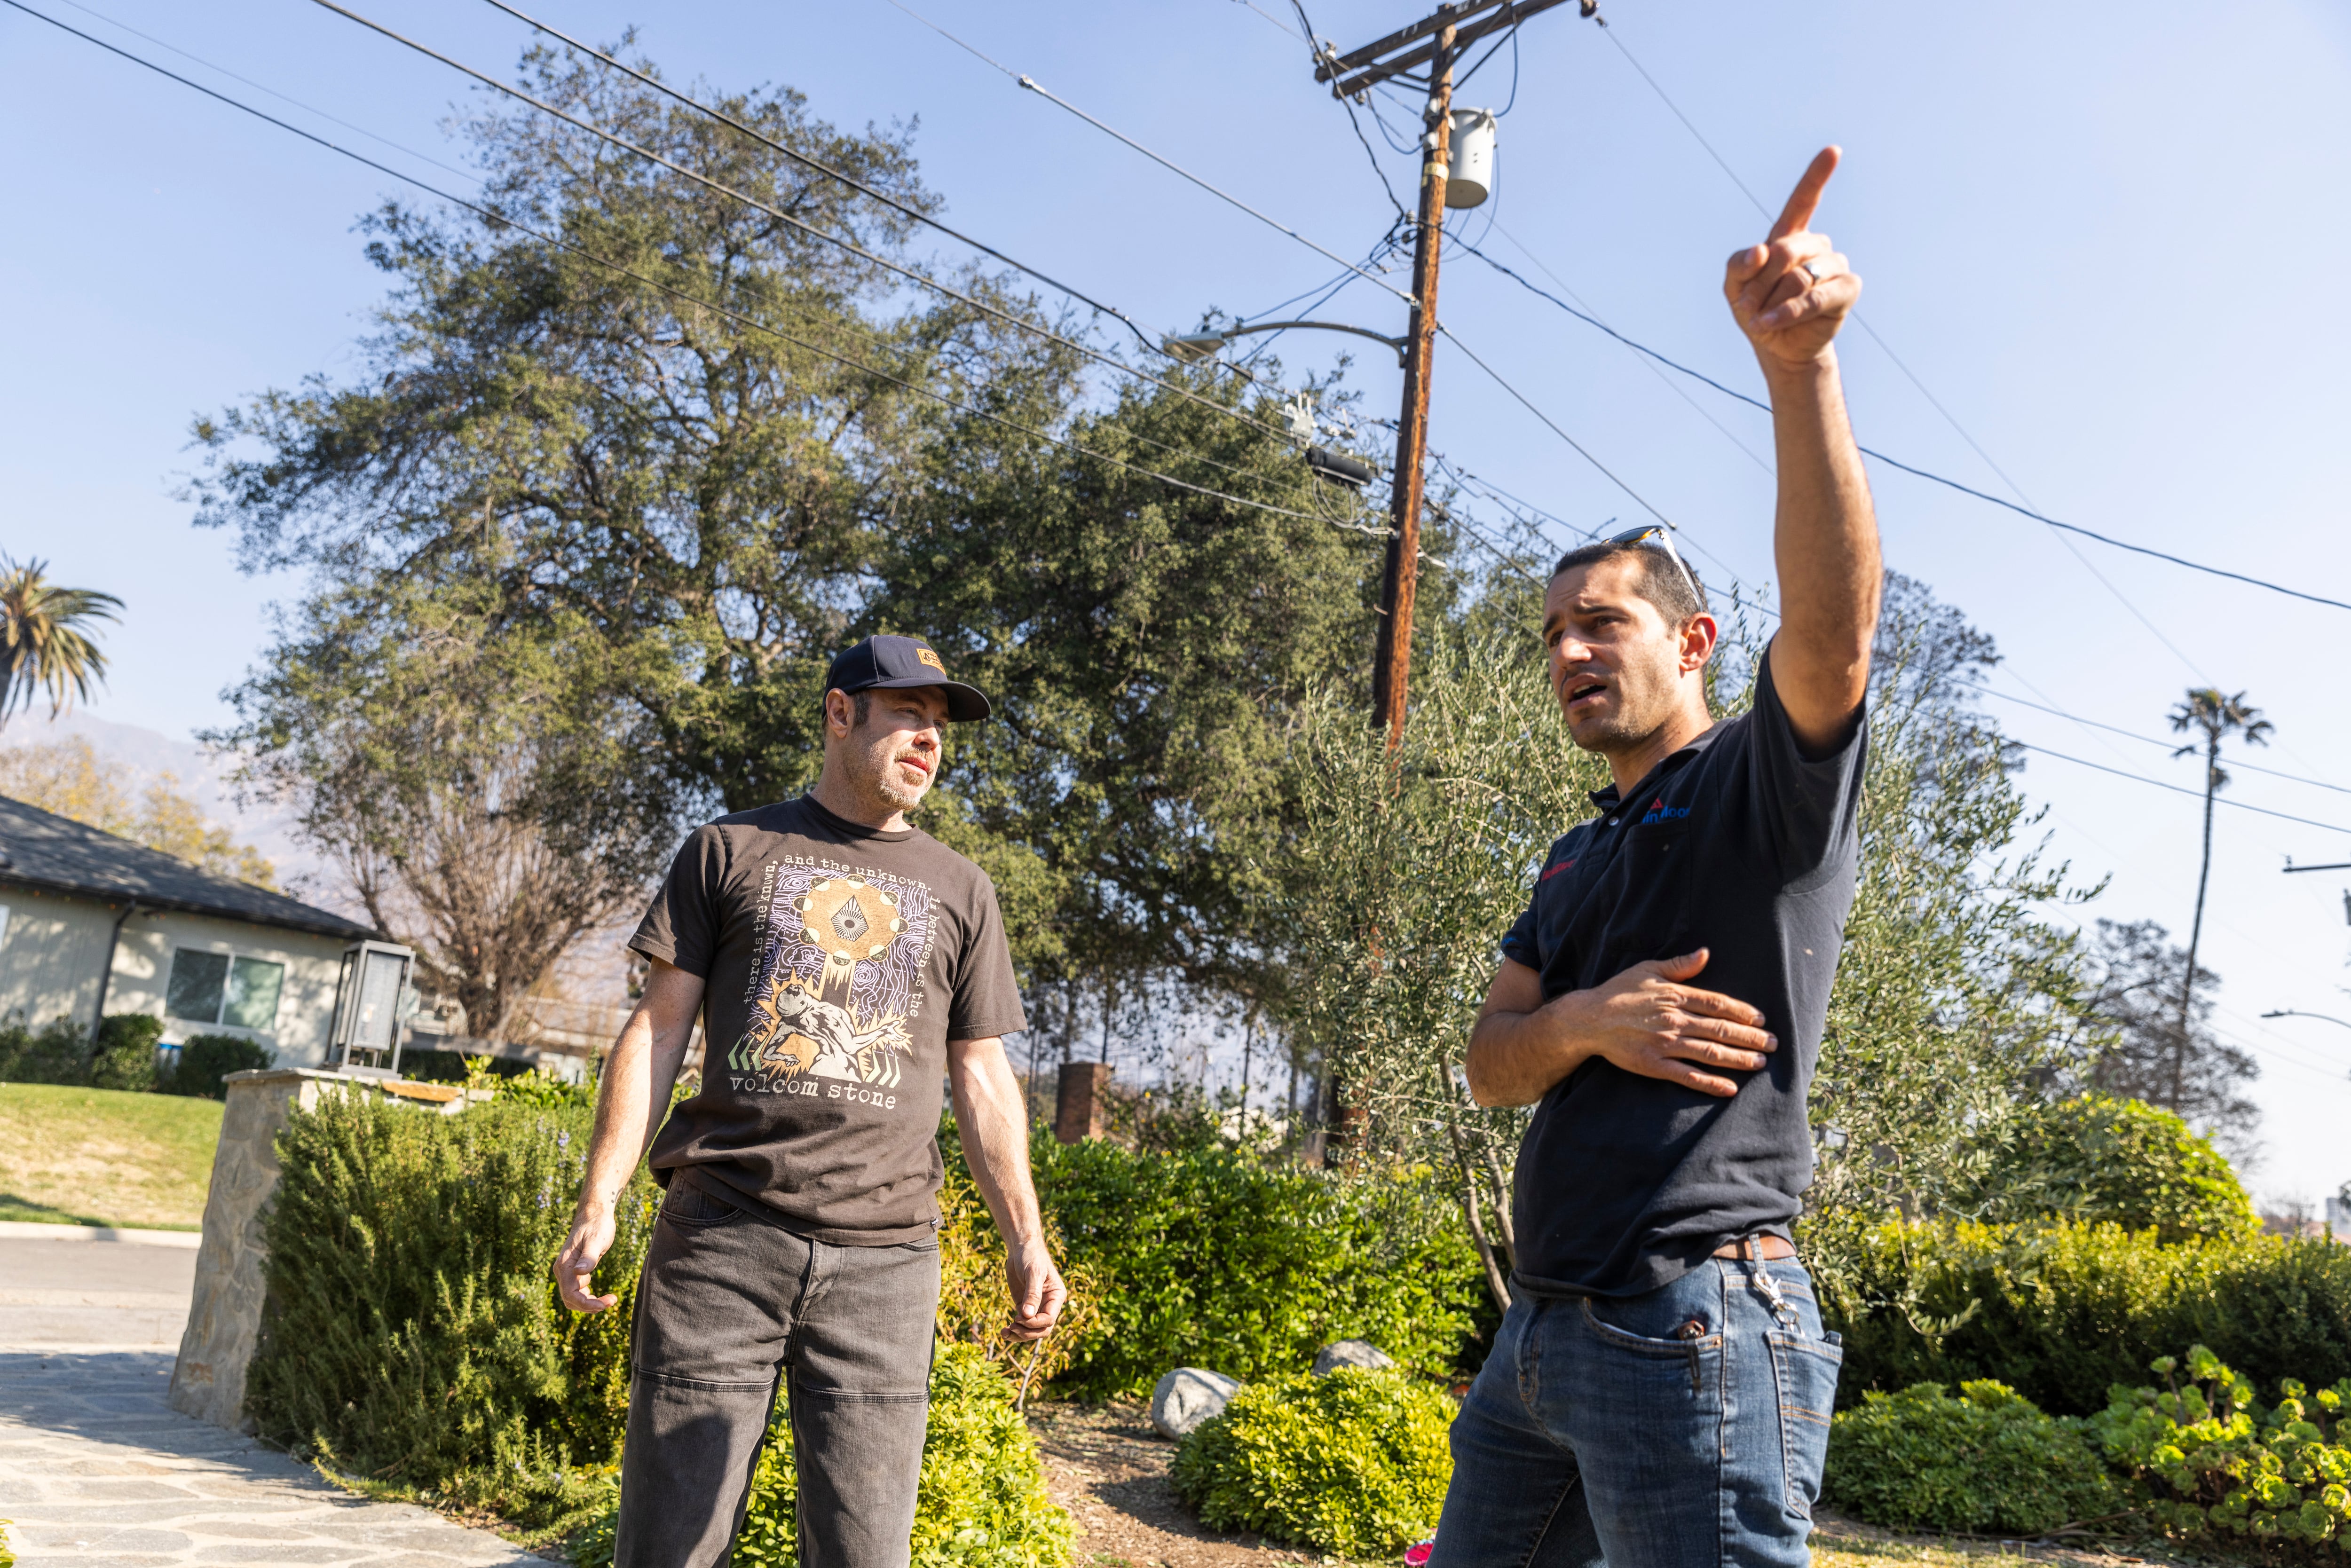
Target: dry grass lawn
x,y
104,1157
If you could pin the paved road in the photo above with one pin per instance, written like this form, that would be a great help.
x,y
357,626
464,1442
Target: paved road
x,y
93,1292
95,1472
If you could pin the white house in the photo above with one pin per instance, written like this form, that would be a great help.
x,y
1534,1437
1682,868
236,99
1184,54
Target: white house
x,y
93,924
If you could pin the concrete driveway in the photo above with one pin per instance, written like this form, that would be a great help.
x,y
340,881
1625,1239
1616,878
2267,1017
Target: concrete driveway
x,y
96,1471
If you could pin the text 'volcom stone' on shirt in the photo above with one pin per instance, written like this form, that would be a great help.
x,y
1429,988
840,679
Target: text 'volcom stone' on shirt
x,y
837,961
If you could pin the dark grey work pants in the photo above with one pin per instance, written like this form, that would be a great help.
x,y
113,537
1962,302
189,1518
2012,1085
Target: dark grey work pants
x,y
729,1300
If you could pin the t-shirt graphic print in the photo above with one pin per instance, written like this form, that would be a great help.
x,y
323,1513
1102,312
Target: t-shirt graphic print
x,y
840,981
837,962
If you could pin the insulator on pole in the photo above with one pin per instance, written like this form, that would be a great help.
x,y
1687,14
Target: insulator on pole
x,y
1339,468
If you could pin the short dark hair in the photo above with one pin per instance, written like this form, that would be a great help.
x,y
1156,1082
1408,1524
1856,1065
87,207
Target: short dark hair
x,y
1677,598
860,705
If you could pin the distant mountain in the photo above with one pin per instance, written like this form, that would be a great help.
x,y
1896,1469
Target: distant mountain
x,y
144,753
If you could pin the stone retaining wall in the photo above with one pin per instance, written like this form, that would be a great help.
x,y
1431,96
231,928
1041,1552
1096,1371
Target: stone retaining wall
x,y
224,1315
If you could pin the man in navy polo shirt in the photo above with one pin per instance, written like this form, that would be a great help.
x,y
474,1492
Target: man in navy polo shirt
x,y
1658,1394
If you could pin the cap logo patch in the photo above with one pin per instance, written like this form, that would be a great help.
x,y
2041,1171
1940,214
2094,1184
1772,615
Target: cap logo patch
x,y
924,656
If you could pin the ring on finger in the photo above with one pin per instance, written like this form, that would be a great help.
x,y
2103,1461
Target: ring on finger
x,y
1812,270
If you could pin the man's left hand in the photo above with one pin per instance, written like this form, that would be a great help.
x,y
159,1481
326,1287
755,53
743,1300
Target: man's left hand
x,y
1791,293
1038,1293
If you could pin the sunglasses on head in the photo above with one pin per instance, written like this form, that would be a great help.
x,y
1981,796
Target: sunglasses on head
x,y
1658,537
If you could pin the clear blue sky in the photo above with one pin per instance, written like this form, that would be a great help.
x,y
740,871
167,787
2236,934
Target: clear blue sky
x,y
2106,237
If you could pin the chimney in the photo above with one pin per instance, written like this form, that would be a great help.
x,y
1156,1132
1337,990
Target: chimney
x,y
1078,1102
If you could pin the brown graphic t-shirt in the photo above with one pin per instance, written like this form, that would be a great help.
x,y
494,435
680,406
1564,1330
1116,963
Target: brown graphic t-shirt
x,y
837,962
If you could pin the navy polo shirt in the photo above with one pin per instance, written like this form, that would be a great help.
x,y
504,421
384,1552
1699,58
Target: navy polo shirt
x,y
1741,844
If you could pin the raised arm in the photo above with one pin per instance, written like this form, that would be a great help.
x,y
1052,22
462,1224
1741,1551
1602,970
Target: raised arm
x,y
1789,294
631,1100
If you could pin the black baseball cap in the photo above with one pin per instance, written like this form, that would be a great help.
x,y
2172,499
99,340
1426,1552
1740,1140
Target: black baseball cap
x,y
890,662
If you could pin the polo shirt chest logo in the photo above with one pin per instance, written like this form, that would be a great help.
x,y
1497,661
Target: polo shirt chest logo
x,y
840,980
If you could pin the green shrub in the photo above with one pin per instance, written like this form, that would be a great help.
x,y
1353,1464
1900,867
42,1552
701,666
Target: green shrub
x,y
206,1058
2212,1461
1212,1256
1355,1463
455,1066
2063,1312
981,1499
1988,1460
125,1054
414,1336
2094,1157
56,1052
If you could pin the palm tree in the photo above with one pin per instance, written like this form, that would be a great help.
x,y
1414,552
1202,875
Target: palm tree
x,y
43,643
2217,717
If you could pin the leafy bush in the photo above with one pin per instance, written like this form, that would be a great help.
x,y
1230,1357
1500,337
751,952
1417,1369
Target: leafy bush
x,y
456,1066
1987,1461
2094,1157
2063,1312
1355,1463
981,1499
414,1336
976,1298
125,1055
1211,1256
56,1052
206,1058
2212,1461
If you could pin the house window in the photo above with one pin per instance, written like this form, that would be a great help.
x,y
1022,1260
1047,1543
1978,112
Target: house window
x,y
220,989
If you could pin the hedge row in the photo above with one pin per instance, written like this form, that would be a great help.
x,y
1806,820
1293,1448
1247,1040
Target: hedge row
x,y
1209,1256
2062,1313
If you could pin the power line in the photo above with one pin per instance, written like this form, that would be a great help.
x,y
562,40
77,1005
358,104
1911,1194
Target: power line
x,y
1168,163
2152,740
1936,402
502,221
807,162
1910,468
2161,784
781,216
1643,359
282,98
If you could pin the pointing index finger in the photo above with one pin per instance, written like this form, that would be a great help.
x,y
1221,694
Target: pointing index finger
x,y
1805,199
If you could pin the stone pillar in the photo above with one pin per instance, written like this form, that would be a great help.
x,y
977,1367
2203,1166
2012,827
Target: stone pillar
x,y
224,1315
1078,1102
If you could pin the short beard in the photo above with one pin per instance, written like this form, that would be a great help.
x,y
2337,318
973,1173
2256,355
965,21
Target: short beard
x,y
874,780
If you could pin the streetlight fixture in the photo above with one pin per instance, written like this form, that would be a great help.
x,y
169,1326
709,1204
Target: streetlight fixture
x,y
2295,1013
1192,347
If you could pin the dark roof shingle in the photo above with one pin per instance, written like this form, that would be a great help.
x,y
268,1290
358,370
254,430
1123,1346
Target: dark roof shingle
x,y
40,849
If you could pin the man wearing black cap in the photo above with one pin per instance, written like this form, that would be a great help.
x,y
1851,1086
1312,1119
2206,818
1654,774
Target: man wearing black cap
x,y
845,965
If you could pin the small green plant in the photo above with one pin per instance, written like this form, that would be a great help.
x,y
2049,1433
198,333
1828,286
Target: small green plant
x,y
206,1058
543,1088
124,1057
981,1502
1354,1463
2211,1461
56,1052
1986,1460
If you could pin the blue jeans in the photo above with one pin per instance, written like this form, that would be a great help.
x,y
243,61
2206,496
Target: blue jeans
x,y
1682,1429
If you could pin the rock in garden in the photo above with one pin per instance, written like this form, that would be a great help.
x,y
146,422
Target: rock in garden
x,y
1360,1352
1187,1396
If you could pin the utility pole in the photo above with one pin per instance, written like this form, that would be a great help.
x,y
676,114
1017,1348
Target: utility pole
x,y
1450,30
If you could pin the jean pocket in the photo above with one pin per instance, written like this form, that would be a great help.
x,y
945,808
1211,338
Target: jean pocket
x,y
1806,1371
689,1207
1690,1351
